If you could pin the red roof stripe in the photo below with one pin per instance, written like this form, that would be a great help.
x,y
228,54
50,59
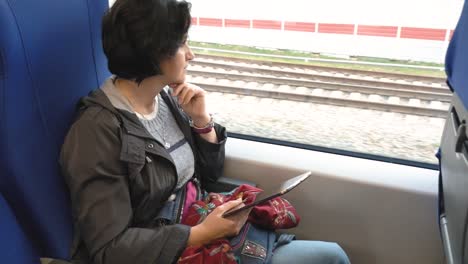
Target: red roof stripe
x,y
423,33
267,24
336,28
379,31
299,26
363,30
213,22
237,23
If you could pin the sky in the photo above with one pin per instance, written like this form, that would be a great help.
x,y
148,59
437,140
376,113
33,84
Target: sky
x,y
417,13
413,13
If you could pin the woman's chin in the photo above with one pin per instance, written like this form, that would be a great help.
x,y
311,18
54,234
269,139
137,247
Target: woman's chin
x,y
181,80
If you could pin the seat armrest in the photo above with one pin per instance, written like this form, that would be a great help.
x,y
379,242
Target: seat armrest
x,y
225,184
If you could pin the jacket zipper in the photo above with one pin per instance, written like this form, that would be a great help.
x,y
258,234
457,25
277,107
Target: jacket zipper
x,y
199,195
180,210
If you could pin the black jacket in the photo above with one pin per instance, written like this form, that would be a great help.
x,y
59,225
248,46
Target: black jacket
x,y
119,178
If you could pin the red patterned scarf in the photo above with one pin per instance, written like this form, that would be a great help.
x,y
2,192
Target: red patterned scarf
x,y
277,213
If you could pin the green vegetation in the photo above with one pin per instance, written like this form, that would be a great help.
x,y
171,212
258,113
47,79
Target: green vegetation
x,y
294,53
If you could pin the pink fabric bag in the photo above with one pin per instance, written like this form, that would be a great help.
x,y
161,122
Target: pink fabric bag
x,y
276,213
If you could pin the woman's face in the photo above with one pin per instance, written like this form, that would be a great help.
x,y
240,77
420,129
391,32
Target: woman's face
x,y
174,68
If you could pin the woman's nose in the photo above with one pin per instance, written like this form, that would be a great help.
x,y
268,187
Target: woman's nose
x,y
189,54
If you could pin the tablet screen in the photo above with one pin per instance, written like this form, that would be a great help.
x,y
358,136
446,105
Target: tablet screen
x,y
283,188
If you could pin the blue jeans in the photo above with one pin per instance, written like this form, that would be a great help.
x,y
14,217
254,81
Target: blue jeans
x,y
309,252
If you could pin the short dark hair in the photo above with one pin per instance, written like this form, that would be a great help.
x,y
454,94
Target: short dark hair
x,y
138,34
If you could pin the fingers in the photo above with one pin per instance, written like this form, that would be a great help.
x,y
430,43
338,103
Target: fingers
x,y
185,96
226,227
186,92
176,88
239,206
231,205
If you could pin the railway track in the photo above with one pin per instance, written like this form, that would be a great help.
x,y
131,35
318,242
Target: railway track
x,y
326,70
372,81
431,94
425,99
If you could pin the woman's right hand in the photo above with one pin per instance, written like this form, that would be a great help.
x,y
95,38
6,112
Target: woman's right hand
x,y
215,226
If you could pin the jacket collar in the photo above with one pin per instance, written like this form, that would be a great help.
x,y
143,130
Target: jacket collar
x,y
132,125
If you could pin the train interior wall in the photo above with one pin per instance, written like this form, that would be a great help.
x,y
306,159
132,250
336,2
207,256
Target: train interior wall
x,y
378,212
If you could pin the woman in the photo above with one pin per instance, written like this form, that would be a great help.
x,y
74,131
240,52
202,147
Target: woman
x,y
143,145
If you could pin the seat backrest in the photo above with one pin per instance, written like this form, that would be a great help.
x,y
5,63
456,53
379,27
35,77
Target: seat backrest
x,y
16,248
456,61
454,150
50,55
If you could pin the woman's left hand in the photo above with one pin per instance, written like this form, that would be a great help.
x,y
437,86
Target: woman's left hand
x,y
192,100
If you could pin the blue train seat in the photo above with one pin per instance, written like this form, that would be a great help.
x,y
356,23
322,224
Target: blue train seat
x,y
14,245
50,55
453,183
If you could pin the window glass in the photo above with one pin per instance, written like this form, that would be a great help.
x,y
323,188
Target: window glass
x,y
389,98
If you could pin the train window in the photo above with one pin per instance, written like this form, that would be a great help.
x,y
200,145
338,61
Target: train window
x,y
359,77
